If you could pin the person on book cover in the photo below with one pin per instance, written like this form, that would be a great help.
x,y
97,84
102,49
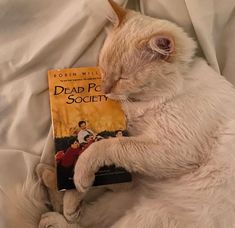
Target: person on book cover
x,y
89,139
119,134
71,154
59,155
83,131
98,138
65,166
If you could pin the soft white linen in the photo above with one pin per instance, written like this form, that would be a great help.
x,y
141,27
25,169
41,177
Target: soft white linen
x,y
39,35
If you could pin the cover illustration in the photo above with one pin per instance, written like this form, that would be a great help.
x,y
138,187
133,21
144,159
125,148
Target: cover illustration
x,y
82,115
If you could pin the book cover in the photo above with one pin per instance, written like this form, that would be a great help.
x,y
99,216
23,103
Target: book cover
x,y
82,115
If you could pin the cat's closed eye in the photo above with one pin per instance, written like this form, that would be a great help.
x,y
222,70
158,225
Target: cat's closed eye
x,y
123,78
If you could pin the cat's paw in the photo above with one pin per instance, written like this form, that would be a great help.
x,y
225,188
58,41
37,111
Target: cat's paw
x,y
89,162
73,216
84,175
53,220
72,205
83,179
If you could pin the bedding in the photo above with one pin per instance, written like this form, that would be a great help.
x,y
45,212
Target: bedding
x,y
36,36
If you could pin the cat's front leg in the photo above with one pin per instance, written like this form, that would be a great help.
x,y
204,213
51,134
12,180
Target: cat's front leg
x,y
89,162
136,154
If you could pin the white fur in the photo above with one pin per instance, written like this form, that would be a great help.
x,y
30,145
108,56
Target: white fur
x,y
22,207
183,156
181,117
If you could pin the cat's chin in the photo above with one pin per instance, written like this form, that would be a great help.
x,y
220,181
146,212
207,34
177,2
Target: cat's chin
x,y
131,98
124,98
116,97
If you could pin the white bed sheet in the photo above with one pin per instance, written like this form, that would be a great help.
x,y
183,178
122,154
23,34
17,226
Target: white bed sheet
x,y
39,35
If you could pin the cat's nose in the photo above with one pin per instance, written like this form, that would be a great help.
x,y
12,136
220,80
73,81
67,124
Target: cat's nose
x,y
105,89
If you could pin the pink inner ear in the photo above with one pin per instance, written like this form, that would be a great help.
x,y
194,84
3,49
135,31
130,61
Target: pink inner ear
x,y
162,44
157,47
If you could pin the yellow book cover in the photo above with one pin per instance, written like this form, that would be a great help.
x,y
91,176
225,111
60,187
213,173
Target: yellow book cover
x,y
82,115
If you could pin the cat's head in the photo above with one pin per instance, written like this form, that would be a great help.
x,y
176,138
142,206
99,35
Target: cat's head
x,y
143,57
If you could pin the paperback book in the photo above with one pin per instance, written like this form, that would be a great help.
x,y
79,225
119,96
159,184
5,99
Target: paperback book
x,y
82,115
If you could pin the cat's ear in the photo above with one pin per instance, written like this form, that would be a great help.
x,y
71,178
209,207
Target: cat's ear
x,y
159,46
116,13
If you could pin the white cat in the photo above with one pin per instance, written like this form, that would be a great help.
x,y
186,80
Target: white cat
x,y
181,118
